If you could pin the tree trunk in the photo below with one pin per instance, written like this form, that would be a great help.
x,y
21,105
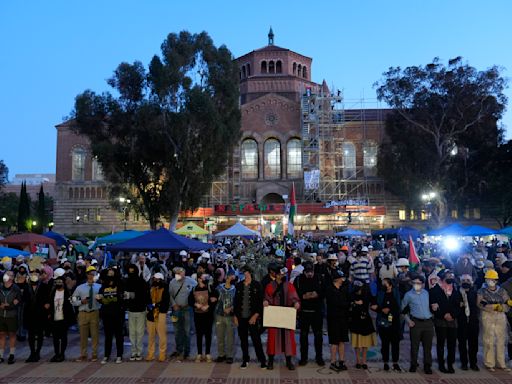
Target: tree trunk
x,y
173,222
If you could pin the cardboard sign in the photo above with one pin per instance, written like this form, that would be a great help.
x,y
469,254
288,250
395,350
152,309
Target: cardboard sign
x,y
279,317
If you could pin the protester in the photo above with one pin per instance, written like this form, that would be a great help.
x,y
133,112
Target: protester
x,y
202,300
62,316
10,298
468,324
224,324
136,298
157,317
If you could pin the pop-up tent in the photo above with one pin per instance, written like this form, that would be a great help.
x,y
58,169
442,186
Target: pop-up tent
x,y
160,240
478,230
191,229
351,233
118,237
11,252
59,239
507,231
33,243
237,230
454,229
403,232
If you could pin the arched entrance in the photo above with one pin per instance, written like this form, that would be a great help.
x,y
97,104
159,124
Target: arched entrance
x,y
272,198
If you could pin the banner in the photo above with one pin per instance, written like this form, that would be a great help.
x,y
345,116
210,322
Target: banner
x,y
311,179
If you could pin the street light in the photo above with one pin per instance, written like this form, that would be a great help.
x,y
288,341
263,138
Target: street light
x,y
125,202
4,219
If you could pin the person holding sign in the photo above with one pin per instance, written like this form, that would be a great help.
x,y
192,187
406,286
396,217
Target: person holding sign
x,y
281,293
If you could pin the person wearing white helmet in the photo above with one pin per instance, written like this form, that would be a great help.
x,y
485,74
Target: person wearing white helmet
x,y
361,267
62,315
157,317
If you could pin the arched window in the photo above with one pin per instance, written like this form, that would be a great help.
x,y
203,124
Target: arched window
x,y
349,160
279,67
294,68
78,164
97,172
263,67
244,75
272,155
304,72
248,70
299,70
294,159
370,158
271,67
249,159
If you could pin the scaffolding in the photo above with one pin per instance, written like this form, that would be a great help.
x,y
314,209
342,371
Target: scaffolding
x,y
340,148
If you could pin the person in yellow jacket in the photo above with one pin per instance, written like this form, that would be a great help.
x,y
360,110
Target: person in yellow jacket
x,y
494,302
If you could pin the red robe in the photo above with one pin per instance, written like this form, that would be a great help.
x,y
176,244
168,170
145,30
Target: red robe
x,y
281,340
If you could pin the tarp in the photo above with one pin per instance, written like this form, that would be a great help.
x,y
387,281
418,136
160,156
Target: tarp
x,y
351,232
191,229
506,231
11,252
160,240
28,241
119,237
59,239
237,230
478,230
403,232
454,229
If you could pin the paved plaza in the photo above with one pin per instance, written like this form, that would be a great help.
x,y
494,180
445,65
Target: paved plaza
x,y
219,373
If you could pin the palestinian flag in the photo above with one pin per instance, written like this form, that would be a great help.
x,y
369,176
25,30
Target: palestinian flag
x,y
414,260
293,211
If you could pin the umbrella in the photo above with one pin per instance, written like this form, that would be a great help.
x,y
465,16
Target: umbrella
x,y
79,246
191,229
160,240
351,233
478,230
10,252
59,239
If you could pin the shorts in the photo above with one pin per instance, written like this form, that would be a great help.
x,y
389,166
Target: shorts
x,y
337,331
8,324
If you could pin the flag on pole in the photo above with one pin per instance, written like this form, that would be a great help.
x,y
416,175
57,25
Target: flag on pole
x,y
293,210
414,260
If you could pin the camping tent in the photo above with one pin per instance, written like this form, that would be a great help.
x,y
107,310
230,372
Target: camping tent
x,y
11,252
160,240
31,242
189,229
237,230
59,239
351,233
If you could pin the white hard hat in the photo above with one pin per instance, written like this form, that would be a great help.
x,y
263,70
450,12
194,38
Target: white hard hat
x,y
364,249
332,256
183,253
158,275
59,272
402,262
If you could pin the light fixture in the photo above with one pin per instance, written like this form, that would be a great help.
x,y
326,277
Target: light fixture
x,y
34,223
4,219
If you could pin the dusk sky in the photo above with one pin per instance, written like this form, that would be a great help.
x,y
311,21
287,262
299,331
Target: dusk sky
x,y
53,50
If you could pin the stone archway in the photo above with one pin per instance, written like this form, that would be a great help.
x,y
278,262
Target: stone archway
x,y
271,189
272,198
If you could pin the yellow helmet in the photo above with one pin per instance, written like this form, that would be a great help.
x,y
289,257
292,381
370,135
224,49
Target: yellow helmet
x,y
491,274
93,269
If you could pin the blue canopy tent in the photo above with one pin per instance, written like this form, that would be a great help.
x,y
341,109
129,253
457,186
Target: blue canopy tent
x,y
478,230
507,231
351,233
160,240
403,232
119,237
12,252
59,239
454,229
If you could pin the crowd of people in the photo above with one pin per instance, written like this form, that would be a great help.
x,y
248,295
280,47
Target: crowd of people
x,y
356,290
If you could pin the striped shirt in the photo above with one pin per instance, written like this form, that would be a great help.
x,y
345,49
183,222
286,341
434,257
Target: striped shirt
x,y
361,268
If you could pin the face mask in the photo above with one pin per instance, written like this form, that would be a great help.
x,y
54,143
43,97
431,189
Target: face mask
x,y
449,281
466,285
354,254
34,278
417,287
491,283
96,277
59,284
156,283
6,278
178,277
67,267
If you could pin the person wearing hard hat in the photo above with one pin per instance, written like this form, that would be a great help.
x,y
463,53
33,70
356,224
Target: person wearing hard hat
x,y
62,315
361,268
84,298
494,302
404,276
157,317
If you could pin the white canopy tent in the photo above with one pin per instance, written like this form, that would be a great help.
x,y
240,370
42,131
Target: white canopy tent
x,y
237,230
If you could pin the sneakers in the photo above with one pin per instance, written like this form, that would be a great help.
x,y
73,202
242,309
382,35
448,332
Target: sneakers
x,y
229,360
54,359
31,359
303,362
342,366
133,357
427,369
244,365
198,358
386,367
263,365
119,360
11,359
138,357
209,358
396,368
94,358
334,367
474,368
81,359
220,359
104,361
320,362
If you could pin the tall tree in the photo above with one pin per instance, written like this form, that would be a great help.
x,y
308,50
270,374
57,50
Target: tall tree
x,y
170,131
4,173
441,132
41,214
9,204
24,209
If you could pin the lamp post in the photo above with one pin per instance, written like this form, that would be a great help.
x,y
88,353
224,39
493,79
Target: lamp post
x,y
125,202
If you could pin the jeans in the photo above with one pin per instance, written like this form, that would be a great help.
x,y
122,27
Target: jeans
x,y
182,331
225,335
136,327
244,329
60,337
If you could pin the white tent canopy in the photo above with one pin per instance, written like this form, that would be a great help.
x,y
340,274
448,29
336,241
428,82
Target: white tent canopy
x,y
237,230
